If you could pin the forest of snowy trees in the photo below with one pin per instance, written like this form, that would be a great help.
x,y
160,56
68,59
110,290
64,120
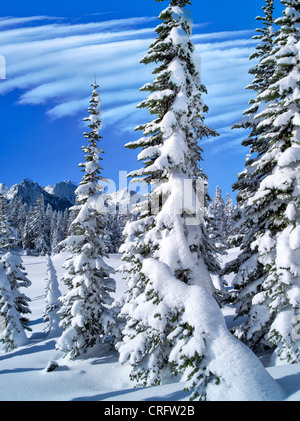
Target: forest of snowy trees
x,y
39,229
169,321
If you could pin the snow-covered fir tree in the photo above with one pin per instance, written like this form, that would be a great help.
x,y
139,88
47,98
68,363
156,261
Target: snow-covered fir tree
x,y
262,73
55,230
217,221
228,220
53,304
249,271
15,214
15,272
48,225
158,331
279,193
8,238
12,332
86,313
58,230
38,227
172,320
216,227
116,223
27,235
65,223
267,272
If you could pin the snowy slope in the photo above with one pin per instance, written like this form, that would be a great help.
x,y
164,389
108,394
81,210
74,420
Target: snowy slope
x,y
97,377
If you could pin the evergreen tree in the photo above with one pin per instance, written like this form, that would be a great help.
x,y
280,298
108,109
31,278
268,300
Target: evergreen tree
x,y
228,220
27,234
15,272
35,227
12,332
65,223
47,225
267,279
58,233
278,196
86,316
54,238
22,220
216,230
15,214
38,226
50,315
262,72
163,234
247,267
217,221
8,238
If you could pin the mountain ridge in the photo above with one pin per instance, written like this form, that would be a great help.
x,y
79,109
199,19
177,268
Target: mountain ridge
x,y
61,196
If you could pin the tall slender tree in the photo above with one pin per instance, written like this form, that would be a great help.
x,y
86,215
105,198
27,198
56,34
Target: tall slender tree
x,y
278,196
247,267
217,218
12,332
228,222
266,279
172,321
38,227
163,233
8,238
85,311
15,272
53,305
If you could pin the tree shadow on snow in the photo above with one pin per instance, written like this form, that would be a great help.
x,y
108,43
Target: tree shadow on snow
x,y
36,321
102,396
29,349
174,396
18,370
290,383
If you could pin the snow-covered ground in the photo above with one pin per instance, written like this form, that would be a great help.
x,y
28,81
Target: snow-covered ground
x,y
98,376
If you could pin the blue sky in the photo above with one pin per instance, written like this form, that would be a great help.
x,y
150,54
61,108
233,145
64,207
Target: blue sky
x,y
52,51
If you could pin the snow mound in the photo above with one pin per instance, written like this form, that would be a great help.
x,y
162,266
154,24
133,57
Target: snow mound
x,y
101,377
241,375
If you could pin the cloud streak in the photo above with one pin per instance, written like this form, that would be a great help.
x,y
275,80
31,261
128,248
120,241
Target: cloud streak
x,y
54,64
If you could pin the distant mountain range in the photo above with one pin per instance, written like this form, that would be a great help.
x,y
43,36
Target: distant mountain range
x,y
61,196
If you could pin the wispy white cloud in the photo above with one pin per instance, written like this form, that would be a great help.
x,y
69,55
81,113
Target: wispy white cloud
x,y
223,35
54,64
110,99
54,30
233,146
12,21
